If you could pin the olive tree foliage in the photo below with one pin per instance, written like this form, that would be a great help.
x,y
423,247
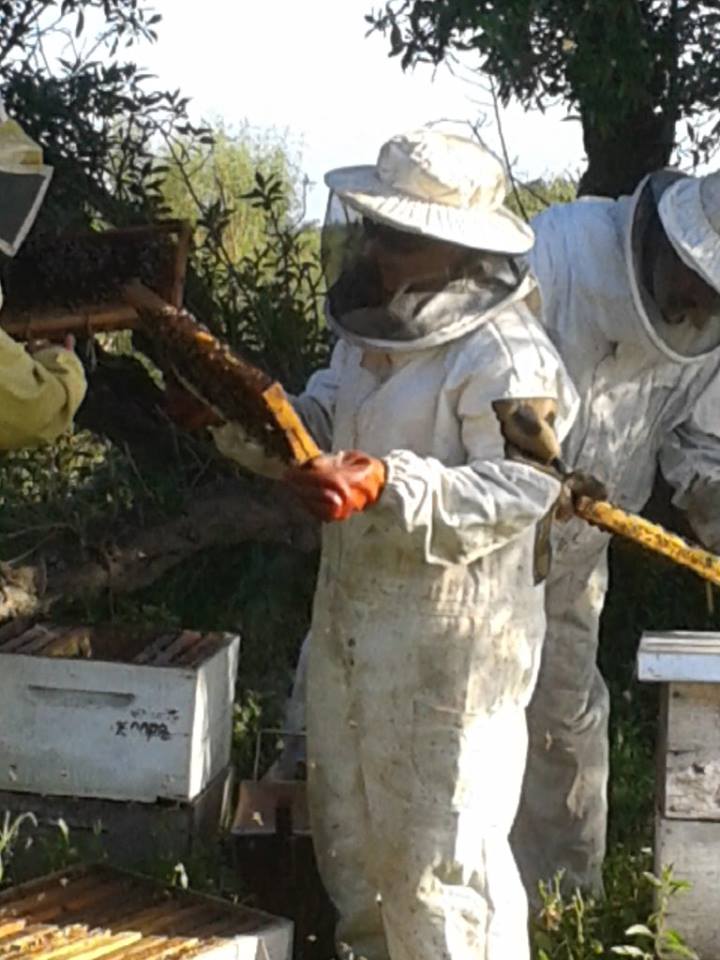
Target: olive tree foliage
x,y
125,151
97,115
530,198
223,171
631,69
256,277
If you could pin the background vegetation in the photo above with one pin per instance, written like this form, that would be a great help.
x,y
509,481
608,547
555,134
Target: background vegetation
x,y
126,152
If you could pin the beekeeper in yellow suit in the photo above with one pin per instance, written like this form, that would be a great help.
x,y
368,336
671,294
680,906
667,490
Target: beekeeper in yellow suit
x,y
39,393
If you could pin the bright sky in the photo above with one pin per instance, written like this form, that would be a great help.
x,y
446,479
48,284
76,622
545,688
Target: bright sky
x,y
307,68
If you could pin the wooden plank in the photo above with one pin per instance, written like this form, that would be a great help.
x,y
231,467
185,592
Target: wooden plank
x,y
692,849
690,752
83,320
679,657
259,802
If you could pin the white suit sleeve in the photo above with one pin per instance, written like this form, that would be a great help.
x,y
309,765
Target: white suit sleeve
x,y
690,462
316,404
457,514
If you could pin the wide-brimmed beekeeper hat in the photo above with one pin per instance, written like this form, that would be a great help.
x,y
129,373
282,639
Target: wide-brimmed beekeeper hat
x,y
437,185
690,215
24,180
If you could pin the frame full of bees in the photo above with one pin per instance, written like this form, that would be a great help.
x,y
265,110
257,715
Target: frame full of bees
x,y
133,278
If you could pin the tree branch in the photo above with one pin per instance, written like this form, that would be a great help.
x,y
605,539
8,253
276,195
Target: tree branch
x,y
506,155
29,15
225,515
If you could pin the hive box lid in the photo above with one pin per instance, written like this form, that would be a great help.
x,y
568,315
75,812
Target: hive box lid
x,y
94,912
679,657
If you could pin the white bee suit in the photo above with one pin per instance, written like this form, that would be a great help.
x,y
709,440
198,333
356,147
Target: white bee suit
x,y
428,619
425,643
650,397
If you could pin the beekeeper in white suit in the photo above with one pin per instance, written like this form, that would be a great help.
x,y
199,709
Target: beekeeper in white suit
x,y
39,394
630,293
428,618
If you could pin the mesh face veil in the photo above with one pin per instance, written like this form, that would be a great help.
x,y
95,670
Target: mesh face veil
x,y
689,330
389,284
24,180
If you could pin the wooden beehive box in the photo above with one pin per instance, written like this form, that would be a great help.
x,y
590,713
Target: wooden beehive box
x,y
89,913
687,834
129,835
114,713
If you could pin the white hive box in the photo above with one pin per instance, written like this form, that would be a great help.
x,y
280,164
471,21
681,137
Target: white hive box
x,y
687,824
114,715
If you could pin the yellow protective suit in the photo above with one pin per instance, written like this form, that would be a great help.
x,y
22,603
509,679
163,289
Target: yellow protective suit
x,y
39,394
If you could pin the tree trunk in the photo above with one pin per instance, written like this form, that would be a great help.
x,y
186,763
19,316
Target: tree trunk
x,y
618,158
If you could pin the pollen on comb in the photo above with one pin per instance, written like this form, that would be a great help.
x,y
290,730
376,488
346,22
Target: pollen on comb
x,y
90,913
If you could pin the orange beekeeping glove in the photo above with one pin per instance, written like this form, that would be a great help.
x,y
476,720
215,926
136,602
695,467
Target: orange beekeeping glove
x,y
334,487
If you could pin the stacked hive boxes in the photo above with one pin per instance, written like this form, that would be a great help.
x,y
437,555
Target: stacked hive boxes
x,y
118,732
687,835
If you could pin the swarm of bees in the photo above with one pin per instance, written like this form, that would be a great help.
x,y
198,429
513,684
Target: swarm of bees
x,y
67,271
73,273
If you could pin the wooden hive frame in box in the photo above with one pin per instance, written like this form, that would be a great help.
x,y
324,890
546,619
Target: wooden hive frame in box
x,y
89,913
